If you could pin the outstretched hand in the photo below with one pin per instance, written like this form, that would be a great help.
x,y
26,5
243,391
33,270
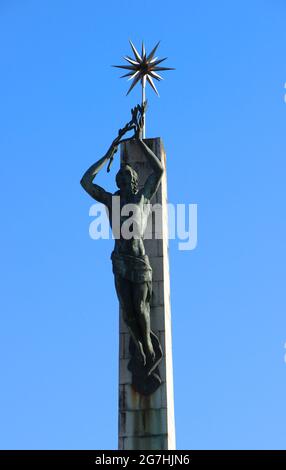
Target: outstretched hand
x,y
138,116
136,123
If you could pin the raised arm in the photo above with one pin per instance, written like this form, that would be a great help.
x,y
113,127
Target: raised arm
x,y
94,190
153,181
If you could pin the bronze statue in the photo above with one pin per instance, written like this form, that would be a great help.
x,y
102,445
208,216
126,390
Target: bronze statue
x,y
131,266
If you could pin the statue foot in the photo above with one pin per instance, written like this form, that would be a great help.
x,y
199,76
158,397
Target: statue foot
x,y
145,377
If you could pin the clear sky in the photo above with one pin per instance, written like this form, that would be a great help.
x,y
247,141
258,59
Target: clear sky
x,y
221,115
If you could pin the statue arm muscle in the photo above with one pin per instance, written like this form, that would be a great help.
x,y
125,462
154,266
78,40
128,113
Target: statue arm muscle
x,y
94,190
153,181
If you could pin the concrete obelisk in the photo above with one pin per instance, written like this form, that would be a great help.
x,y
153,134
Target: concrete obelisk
x,y
146,422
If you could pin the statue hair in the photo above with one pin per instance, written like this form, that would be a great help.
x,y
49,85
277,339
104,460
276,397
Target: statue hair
x,y
134,177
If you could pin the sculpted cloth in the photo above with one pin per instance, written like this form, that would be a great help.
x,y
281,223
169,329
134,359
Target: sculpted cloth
x,y
130,267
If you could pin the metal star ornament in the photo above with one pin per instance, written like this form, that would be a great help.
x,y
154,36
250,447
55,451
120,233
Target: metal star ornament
x,y
143,67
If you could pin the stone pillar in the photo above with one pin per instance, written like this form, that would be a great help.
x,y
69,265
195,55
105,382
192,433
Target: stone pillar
x,y
147,422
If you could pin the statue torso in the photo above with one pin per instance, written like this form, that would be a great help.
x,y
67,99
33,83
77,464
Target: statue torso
x,y
132,222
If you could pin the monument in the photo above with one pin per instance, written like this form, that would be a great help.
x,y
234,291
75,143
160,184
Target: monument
x,y
140,266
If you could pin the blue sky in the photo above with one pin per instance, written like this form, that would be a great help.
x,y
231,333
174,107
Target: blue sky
x,y
221,115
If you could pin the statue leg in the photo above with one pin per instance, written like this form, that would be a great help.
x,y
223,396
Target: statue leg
x,y
141,299
124,293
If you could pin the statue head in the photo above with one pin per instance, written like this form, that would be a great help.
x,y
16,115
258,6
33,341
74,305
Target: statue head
x,y
127,179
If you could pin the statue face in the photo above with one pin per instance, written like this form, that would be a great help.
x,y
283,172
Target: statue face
x,y
126,179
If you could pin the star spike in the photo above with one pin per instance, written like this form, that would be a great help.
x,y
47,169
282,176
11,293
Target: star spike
x,y
134,75
163,68
136,53
131,61
149,79
156,75
127,75
152,53
135,81
156,62
143,55
127,67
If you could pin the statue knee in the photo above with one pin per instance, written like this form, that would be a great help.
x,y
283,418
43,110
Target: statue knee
x,y
142,309
128,317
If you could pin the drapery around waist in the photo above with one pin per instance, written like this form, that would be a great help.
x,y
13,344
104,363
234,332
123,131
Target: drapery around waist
x,y
132,268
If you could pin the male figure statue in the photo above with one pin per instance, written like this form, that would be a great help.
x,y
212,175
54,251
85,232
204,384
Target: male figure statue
x,y
131,266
